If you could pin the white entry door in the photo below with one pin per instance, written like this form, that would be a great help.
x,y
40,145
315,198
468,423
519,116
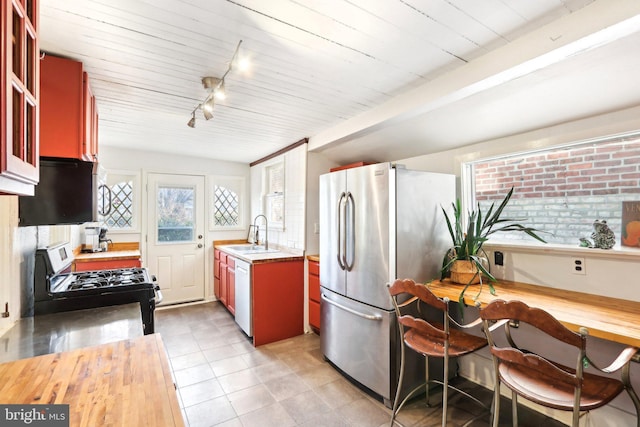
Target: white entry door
x,y
175,243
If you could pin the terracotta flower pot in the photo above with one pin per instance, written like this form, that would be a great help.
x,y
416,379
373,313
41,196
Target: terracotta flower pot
x,y
464,272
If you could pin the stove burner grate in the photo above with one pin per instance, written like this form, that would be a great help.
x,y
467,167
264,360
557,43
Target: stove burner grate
x,y
105,278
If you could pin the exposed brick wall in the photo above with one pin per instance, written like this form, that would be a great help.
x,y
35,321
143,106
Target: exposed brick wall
x,y
564,191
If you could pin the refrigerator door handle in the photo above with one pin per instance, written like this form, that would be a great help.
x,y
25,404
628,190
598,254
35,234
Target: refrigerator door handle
x,y
347,309
340,238
350,233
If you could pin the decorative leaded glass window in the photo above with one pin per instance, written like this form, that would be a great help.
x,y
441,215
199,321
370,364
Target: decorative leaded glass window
x,y
226,206
117,205
227,202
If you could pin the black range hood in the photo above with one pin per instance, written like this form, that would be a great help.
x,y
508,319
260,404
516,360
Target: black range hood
x,y
66,194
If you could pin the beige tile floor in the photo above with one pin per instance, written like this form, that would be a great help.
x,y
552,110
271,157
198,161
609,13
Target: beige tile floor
x,y
223,380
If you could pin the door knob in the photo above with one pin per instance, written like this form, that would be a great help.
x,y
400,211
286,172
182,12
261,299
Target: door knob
x,y
199,245
199,236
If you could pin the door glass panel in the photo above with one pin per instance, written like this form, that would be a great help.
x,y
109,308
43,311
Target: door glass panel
x,y
175,214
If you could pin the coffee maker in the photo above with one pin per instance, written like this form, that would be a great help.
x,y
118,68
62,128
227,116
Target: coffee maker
x,y
91,239
102,239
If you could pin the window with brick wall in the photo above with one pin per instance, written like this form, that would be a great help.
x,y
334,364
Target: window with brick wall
x,y
563,190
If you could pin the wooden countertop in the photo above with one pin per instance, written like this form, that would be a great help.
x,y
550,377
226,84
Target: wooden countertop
x,y
608,318
116,251
123,383
315,258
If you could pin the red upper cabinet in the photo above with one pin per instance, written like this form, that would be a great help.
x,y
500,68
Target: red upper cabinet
x,y
19,74
68,114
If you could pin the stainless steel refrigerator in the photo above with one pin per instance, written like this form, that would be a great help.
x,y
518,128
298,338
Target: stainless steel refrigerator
x,y
377,223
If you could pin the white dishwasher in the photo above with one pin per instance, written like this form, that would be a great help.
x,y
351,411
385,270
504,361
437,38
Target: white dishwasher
x,y
244,297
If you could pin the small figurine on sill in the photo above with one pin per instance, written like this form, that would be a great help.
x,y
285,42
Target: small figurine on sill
x,y
603,237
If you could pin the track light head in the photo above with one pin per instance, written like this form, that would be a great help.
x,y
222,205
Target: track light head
x,y
192,122
210,82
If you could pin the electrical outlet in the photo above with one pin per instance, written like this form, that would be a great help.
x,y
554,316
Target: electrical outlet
x,y
579,266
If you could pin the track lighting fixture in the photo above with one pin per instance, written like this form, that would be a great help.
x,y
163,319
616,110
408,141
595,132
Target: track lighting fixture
x,y
216,88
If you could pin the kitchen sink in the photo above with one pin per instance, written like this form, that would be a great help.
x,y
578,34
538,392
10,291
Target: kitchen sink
x,y
251,249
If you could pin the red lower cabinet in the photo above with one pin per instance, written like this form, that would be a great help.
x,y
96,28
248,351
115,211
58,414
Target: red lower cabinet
x,y
224,279
278,300
216,273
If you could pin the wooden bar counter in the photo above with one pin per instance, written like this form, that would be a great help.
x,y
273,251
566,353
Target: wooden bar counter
x,y
126,383
611,319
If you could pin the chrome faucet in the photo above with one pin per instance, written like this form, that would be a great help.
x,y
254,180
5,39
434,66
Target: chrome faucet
x,y
266,230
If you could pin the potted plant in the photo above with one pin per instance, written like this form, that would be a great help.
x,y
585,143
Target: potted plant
x,y
464,260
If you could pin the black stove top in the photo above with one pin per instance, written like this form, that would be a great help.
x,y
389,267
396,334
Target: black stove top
x,y
105,278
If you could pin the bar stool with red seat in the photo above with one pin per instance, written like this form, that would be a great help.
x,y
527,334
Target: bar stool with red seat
x,y
430,339
541,379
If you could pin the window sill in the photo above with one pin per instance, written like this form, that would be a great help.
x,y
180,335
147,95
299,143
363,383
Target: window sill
x,y
617,252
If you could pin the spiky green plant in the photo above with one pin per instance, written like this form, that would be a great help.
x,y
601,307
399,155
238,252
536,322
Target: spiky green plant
x,y
467,243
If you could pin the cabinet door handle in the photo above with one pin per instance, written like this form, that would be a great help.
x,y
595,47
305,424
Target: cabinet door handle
x,y
199,245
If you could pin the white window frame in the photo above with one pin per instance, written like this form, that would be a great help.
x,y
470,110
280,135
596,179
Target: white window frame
x,y
271,198
234,183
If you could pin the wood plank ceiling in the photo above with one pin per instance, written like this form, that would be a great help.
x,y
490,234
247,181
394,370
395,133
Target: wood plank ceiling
x,y
315,64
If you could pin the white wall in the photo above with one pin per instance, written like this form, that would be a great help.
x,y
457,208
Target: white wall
x,y
317,165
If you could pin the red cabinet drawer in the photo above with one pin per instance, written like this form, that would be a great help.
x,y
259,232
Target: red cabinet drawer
x,y
314,288
314,268
314,314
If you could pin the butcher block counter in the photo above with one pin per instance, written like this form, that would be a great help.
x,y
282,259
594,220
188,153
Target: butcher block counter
x,y
119,255
122,383
607,318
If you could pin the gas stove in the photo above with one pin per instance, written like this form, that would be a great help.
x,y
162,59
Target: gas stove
x,y
86,280
56,288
